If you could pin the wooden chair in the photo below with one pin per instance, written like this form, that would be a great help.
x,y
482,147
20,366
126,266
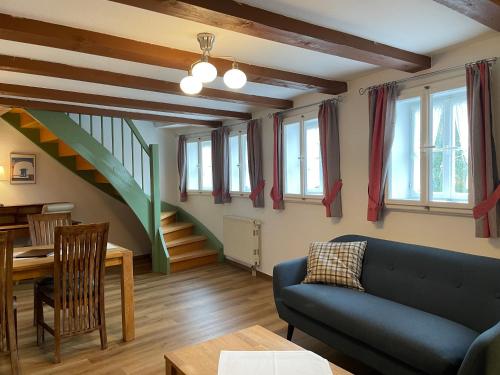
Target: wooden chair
x,y
8,318
77,295
41,227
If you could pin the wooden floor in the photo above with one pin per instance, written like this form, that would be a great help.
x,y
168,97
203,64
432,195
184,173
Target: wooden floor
x,y
171,311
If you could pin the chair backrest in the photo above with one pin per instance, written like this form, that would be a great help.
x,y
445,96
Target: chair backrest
x,y
6,299
79,255
42,227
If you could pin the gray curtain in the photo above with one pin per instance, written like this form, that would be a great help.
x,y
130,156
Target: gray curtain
x,y
254,142
182,167
482,149
330,157
220,165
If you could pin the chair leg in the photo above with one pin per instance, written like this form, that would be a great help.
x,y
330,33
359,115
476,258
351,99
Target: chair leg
x,y
35,315
102,329
40,331
289,332
14,362
57,333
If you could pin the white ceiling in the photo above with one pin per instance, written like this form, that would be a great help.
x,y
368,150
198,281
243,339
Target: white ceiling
x,y
421,26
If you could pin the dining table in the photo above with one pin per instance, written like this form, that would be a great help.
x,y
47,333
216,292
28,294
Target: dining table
x,y
32,262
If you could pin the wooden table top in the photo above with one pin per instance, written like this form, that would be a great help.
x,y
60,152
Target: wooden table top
x,y
203,358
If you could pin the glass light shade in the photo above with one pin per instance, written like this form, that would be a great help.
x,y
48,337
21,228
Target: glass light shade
x,y
235,78
204,72
190,85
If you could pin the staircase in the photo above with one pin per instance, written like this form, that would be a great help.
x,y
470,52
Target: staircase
x,y
186,249
111,154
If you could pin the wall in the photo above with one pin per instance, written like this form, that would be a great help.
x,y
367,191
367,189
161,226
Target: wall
x,y
56,183
286,234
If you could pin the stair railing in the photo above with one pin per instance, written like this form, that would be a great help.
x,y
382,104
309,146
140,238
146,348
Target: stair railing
x,y
123,140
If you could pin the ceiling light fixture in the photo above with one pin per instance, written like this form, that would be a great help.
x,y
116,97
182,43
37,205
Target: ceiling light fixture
x,y
202,71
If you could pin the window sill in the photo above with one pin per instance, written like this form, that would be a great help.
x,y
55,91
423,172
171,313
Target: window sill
x,y
306,200
201,193
432,210
239,195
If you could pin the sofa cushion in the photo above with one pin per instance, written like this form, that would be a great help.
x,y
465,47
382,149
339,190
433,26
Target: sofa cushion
x,y
424,341
337,263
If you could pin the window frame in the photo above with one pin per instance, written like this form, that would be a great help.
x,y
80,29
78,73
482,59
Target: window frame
x,y
425,204
242,170
301,119
198,141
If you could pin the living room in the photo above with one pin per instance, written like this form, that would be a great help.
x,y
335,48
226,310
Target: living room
x,y
406,115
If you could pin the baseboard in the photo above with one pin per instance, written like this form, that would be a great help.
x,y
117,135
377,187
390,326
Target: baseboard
x,y
246,268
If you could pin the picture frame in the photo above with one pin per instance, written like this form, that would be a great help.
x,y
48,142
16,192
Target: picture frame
x,y
22,168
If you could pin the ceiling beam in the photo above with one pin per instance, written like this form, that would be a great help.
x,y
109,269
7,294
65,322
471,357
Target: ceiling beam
x,y
246,19
112,101
57,36
486,12
69,108
58,70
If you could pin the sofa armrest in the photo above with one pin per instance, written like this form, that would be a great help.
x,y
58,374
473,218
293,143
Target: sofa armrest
x,y
288,273
483,356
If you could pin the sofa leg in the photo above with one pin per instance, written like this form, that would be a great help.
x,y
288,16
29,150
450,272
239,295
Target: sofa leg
x,y
289,333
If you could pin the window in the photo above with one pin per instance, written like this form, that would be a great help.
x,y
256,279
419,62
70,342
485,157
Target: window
x,y
303,176
199,165
239,178
429,161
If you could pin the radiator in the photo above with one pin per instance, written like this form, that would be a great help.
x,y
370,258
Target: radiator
x,y
242,240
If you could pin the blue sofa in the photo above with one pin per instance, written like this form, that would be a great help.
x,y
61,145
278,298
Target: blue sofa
x,y
424,311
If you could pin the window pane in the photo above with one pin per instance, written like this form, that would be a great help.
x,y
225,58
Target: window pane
x,y
234,163
192,165
244,164
292,158
450,140
206,165
404,174
314,173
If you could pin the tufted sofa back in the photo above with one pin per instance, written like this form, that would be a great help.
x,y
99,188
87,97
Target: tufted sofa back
x,y
460,287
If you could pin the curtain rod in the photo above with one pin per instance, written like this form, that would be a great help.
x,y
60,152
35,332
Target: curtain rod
x,y
207,132
337,99
363,91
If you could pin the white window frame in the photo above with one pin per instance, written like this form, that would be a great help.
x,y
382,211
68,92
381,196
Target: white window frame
x,y
198,141
425,204
313,198
241,169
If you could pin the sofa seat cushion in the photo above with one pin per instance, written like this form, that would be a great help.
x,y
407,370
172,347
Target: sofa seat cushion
x,y
424,341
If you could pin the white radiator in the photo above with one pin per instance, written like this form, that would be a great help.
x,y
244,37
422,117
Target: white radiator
x,y
242,240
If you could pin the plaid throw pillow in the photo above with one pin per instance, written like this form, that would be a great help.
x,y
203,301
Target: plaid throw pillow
x,y
337,263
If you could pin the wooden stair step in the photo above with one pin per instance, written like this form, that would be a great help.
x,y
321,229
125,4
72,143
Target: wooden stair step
x,y
192,259
83,165
47,136
100,178
174,227
26,121
65,150
175,230
168,216
185,244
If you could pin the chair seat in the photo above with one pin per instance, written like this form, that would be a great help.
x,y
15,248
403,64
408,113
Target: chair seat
x,y
45,281
47,293
427,342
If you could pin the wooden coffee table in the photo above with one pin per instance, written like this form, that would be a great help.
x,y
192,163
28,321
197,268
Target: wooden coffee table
x,y
203,358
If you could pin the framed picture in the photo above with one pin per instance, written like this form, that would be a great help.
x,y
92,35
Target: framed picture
x,y
22,168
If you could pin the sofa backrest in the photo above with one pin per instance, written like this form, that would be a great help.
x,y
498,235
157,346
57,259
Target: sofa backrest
x,y
460,287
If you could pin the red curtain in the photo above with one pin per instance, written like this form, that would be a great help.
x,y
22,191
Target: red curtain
x,y
382,103
220,165
255,170
482,149
330,157
277,189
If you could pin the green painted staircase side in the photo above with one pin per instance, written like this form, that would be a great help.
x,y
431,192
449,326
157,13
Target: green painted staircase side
x,y
122,185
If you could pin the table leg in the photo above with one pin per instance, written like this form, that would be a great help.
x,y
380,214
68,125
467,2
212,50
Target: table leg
x,y
127,286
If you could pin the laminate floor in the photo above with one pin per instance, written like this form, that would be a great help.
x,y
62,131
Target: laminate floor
x,y
170,312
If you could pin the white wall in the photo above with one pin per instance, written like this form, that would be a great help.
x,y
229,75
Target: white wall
x,y
287,234
56,183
